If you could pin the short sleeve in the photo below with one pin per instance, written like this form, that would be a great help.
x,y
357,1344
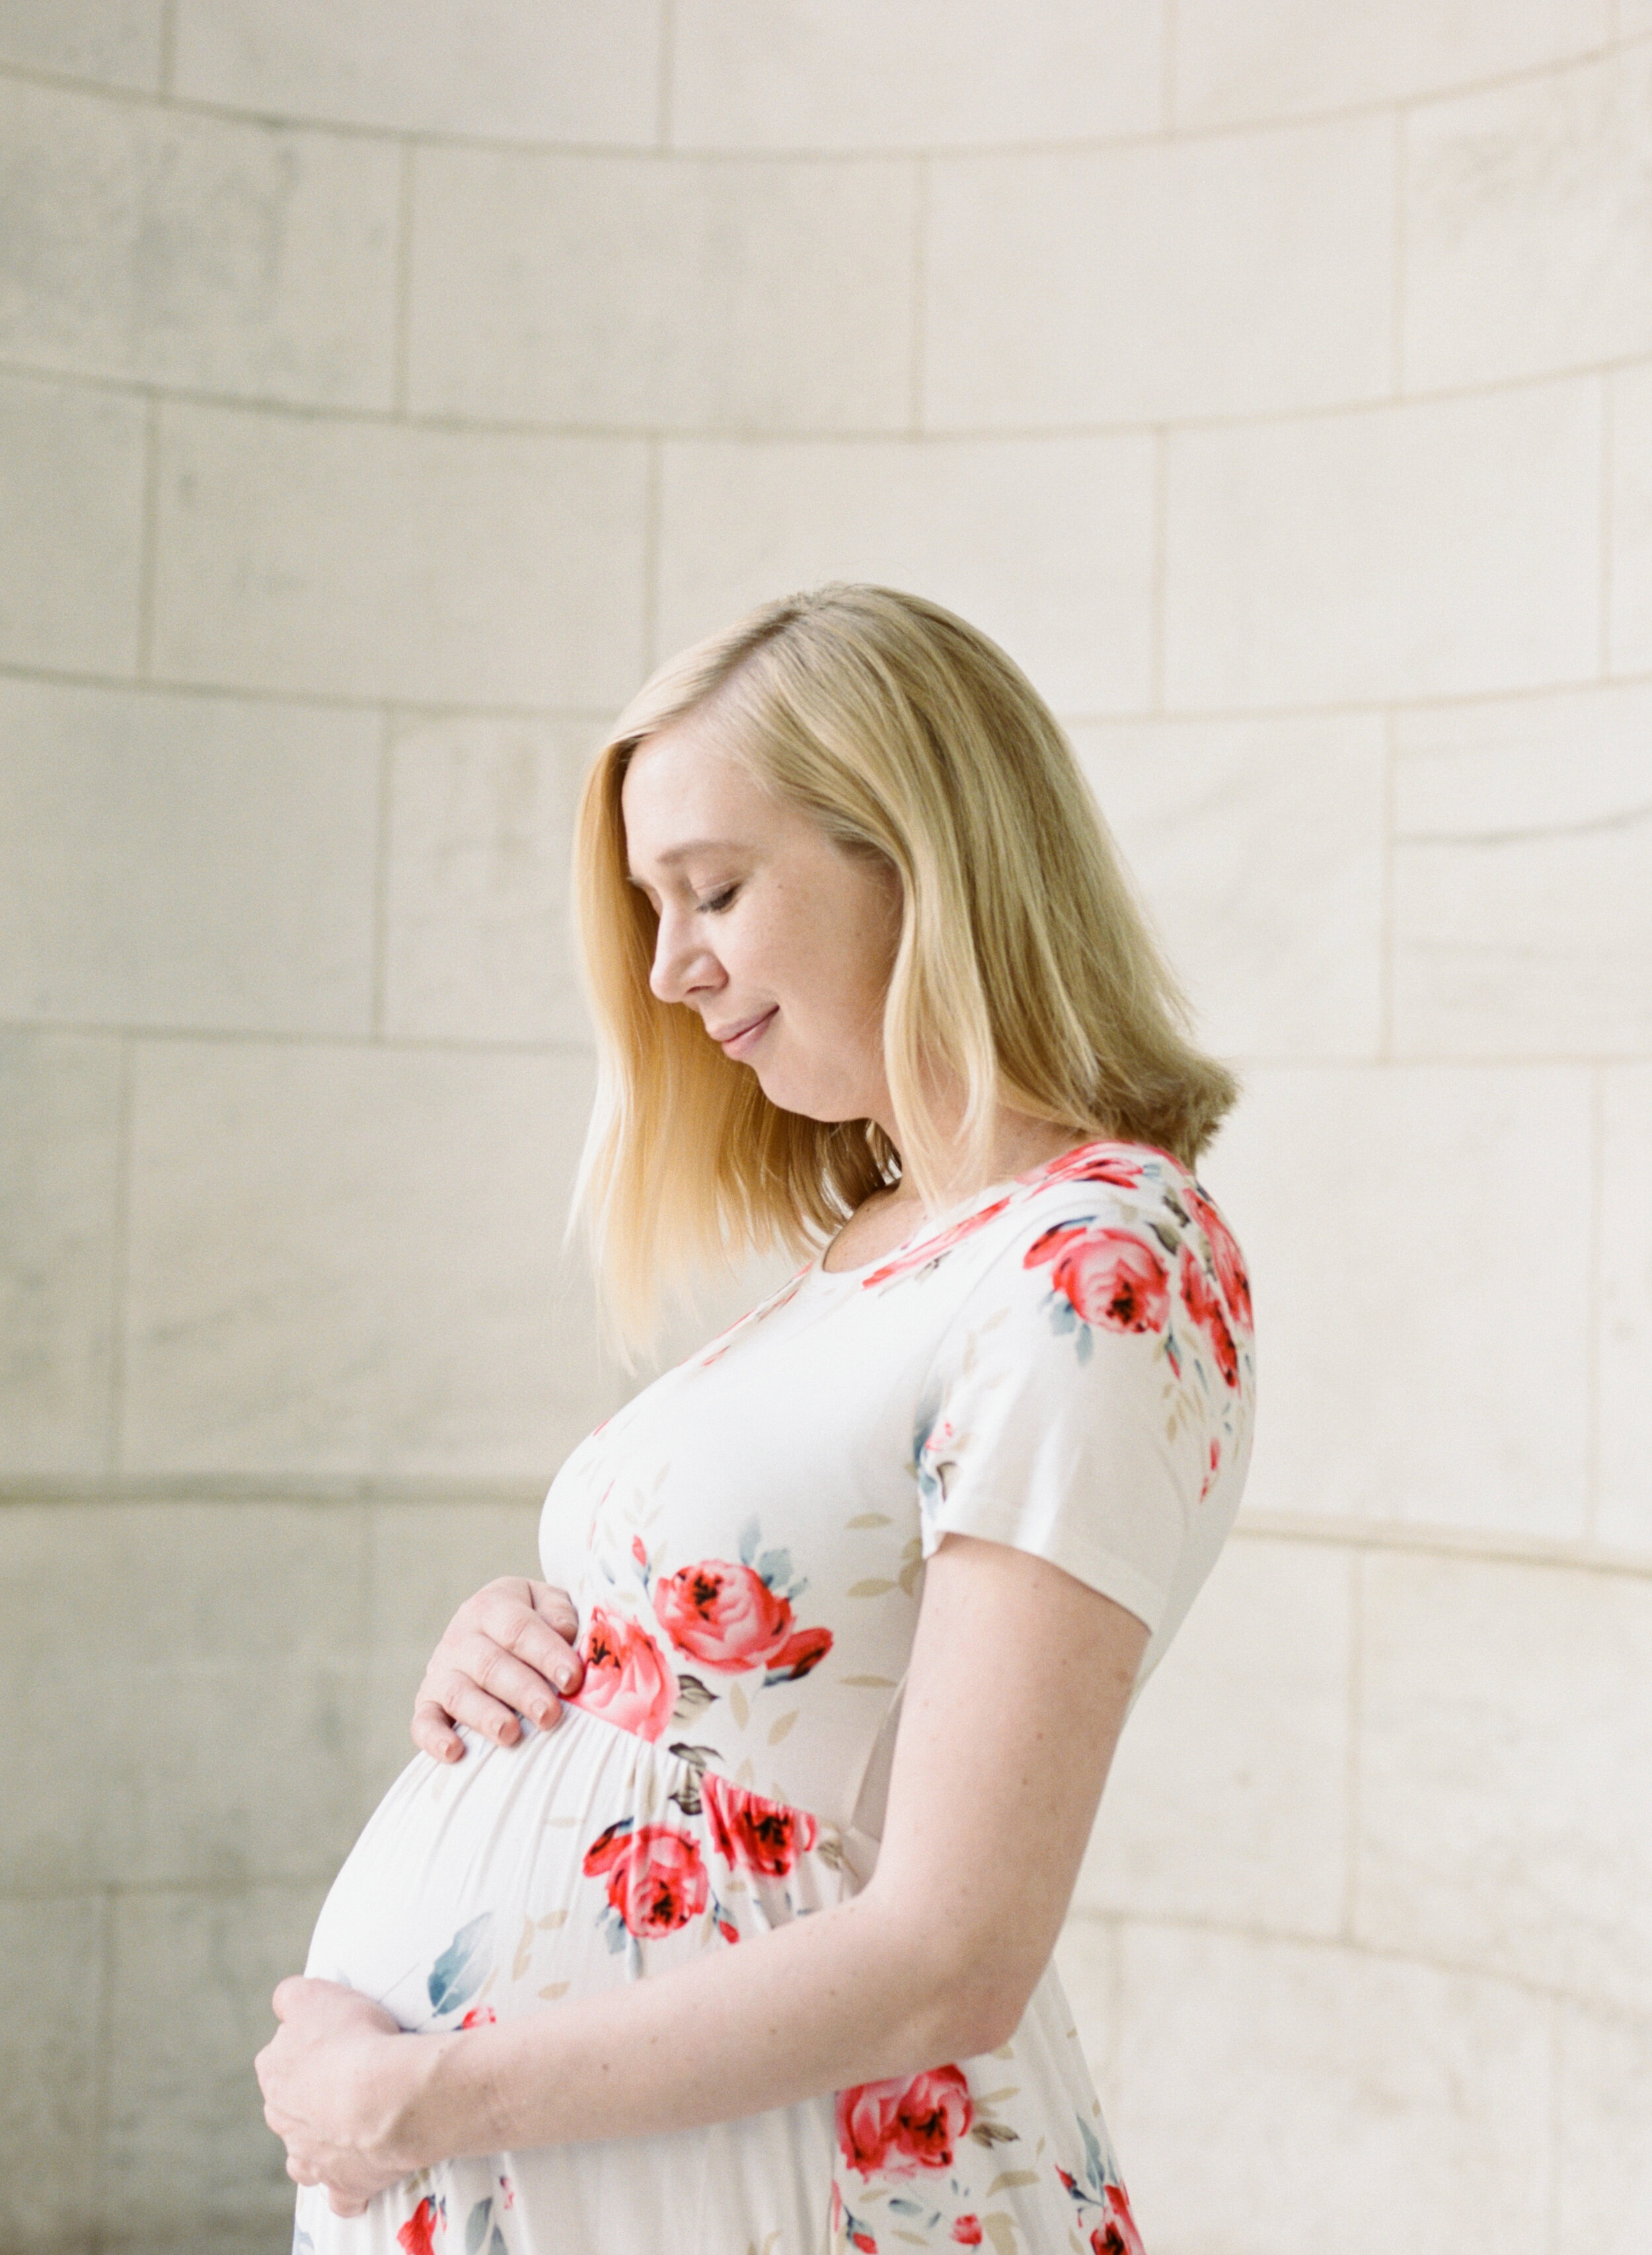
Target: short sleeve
x,y
1082,1399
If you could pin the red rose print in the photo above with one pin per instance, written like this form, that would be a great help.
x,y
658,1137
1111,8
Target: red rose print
x,y
1111,1276
627,1679
726,1617
1205,1307
1230,1261
754,1835
895,2129
479,2016
967,2231
931,1249
864,2241
657,1881
1118,2236
416,2234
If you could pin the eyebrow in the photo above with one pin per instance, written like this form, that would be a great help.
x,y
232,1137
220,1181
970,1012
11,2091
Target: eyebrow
x,y
693,845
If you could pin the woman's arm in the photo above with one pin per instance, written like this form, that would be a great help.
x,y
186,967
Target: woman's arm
x,y
997,1776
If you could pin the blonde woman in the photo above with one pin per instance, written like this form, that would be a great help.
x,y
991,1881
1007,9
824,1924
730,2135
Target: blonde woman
x,y
745,1949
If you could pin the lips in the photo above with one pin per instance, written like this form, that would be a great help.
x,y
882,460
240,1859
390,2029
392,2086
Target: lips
x,y
734,1039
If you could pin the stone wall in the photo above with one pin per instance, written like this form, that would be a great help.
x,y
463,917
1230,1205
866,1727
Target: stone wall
x,y
382,388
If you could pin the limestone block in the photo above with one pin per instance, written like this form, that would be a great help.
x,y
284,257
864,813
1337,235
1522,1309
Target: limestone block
x,y
1218,276
694,294
345,1262
1629,518
1528,226
1505,1726
1604,2157
59,1134
1624,1521
426,1559
182,1681
748,74
1418,1239
1045,543
71,532
115,42
191,861
1523,876
1276,2098
53,1952
1258,846
382,561
150,244
478,941
1230,1791
1283,57
537,70
1385,555
187,2160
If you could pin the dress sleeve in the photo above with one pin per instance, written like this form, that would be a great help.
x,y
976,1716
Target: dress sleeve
x,y
1080,1401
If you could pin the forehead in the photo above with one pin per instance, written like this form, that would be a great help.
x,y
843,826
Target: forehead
x,y
683,790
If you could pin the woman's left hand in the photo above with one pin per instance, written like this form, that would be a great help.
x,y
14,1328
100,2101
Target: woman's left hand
x,y
338,2080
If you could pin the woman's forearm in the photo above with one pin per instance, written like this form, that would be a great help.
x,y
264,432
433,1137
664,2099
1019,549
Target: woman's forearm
x,y
847,1996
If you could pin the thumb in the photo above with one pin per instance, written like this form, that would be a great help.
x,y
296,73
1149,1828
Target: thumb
x,y
291,1995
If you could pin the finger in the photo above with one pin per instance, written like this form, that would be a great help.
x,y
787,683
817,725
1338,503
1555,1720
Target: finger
x,y
514,1682
539,1643
288,1996
467,1703
556,1606
434,1733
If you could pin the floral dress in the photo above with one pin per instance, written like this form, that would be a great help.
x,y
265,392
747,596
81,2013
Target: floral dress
x,y
1066,1367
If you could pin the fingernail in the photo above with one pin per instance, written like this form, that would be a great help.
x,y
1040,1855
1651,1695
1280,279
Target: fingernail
x,y
565,1679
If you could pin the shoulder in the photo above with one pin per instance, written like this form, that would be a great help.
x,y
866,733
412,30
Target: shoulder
x,y
1112,1242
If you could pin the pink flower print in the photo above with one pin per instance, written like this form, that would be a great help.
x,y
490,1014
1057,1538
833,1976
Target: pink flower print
x,y
627,1679
1204,1306
896,2128
1108,1276
726,1617
967,2231
1118,2235
1230,1261
416,2234
933,1249
657,1880
1094,1162
479,2016
751,1834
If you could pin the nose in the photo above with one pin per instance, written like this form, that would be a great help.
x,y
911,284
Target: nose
x,y
683,964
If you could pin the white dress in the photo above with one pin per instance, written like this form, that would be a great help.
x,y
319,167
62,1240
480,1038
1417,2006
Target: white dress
x,y
1066,1367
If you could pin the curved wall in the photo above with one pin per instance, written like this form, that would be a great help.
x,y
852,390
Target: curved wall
x,y
383,388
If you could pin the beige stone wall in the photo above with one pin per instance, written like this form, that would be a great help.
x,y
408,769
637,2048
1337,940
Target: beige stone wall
x,y
382,387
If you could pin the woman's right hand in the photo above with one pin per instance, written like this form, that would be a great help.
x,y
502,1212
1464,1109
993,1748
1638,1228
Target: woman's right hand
x,y
507,1651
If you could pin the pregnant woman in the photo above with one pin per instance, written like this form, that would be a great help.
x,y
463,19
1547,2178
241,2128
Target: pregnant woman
x,y
745,1949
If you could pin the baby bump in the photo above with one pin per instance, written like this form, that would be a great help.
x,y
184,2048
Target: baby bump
x,y
581,1857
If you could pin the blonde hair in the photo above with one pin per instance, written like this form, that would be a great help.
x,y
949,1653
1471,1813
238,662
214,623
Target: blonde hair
x,y
1026,970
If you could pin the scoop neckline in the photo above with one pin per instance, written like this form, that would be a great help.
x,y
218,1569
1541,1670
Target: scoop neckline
x,y
933,1225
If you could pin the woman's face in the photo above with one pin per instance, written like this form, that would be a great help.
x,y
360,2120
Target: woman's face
x,y
780,938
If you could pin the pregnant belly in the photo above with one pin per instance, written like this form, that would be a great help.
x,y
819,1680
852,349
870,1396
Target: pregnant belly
x,y
582,1857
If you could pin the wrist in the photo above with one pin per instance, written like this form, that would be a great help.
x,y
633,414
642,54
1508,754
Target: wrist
x,y
446,2106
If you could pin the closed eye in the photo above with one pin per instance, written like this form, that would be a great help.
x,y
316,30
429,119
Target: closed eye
x,y
716,903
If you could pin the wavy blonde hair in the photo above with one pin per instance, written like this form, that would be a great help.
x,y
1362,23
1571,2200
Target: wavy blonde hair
x,y
1025,970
